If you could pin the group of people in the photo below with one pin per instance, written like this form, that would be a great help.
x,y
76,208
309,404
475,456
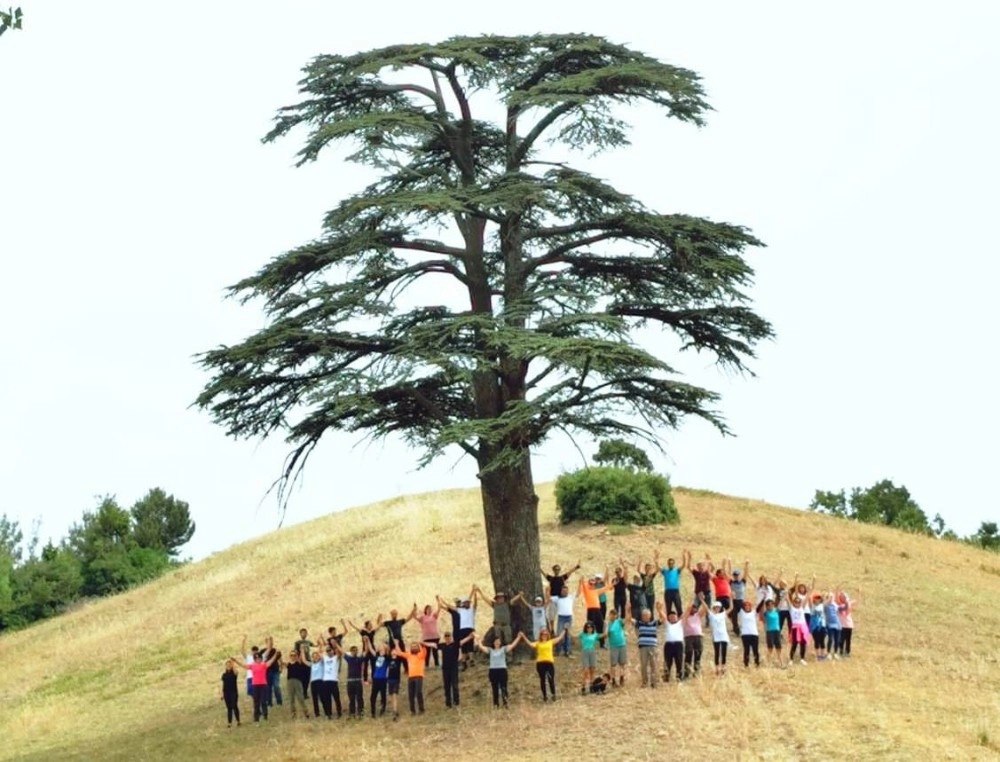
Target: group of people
x,y
723,598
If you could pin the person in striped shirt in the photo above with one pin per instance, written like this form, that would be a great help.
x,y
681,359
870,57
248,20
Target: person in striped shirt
x,y
647,638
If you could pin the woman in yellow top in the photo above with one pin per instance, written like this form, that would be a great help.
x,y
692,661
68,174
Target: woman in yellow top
x,y
544,661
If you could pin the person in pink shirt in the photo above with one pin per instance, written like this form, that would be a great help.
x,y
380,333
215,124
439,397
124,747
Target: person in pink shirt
x,y
428,622
257,670
693,621
845,610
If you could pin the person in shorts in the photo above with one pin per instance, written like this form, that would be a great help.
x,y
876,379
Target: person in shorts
x,y
617,650
589,640
392,683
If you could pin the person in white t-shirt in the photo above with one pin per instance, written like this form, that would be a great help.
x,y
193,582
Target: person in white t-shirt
x,y
564,618
720,635
746,618
673,646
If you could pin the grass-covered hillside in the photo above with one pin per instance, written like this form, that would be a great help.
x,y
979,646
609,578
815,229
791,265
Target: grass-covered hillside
x,y
137,676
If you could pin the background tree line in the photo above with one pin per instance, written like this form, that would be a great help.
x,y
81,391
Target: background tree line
x,y
111,549
885,503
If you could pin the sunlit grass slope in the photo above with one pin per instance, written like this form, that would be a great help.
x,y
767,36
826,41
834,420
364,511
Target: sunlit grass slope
x,y
137,676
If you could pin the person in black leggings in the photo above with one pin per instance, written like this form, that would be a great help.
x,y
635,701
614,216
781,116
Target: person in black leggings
x,y
230,692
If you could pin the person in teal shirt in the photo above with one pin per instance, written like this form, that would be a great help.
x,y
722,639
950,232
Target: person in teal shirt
x,y
772,632
589,639
616,647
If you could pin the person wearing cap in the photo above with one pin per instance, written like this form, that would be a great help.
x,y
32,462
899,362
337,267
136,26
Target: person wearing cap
x,y
466,611
501,617
450,650
647,638
720,635
738,586
557,580
539,608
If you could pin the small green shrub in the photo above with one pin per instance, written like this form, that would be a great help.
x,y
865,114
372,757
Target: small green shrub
x,y
611,495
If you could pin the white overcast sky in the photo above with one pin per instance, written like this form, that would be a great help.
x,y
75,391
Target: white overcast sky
x,y
858,140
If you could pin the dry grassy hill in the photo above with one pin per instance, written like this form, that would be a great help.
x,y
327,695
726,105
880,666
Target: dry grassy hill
x,y
136,676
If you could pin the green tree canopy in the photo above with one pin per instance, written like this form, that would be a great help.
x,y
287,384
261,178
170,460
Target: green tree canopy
x,y
622,454
882,503
12,18
162,522
533,274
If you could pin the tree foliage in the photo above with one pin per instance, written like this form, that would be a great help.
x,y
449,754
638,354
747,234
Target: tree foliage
x,y
162,522
480,293
613,495
987,536
109,550
622,454
12,18
882,503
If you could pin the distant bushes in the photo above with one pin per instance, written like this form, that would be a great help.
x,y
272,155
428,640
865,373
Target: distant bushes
x,y
627,492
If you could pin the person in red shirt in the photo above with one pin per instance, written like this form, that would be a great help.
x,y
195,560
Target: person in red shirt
x,y
257,671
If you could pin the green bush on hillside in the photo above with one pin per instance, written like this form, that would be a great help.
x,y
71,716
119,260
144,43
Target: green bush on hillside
x,y
610,495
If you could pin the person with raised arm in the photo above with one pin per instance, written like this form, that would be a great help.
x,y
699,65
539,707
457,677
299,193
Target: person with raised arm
x,y
368,630
355,662
833,626
617,647
274,694
415,659
428,621
497,654
673,646
746,621
296,680
647,577
500,605
720,583
316,681
720,635
466,611
671,583
556,581
330,691
564,618
620,584
257,670
379,659
772,632
539,609
702,573
637,598
591,590
797,605
248,658
450,651
588,655
647,638
693,622
738,581
845,611
545,660
394,629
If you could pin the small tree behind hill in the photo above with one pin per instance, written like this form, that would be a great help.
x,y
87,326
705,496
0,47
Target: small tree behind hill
x,y
625,491
882,503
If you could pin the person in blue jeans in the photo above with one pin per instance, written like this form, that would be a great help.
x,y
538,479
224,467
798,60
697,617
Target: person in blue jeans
x,y
564,618
274,695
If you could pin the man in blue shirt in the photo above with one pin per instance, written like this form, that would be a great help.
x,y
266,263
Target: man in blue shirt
x,y
671,584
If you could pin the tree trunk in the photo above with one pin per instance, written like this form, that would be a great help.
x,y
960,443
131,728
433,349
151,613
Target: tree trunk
x,y
510,508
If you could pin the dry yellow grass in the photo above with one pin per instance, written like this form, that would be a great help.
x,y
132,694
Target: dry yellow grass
x,y
136,676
